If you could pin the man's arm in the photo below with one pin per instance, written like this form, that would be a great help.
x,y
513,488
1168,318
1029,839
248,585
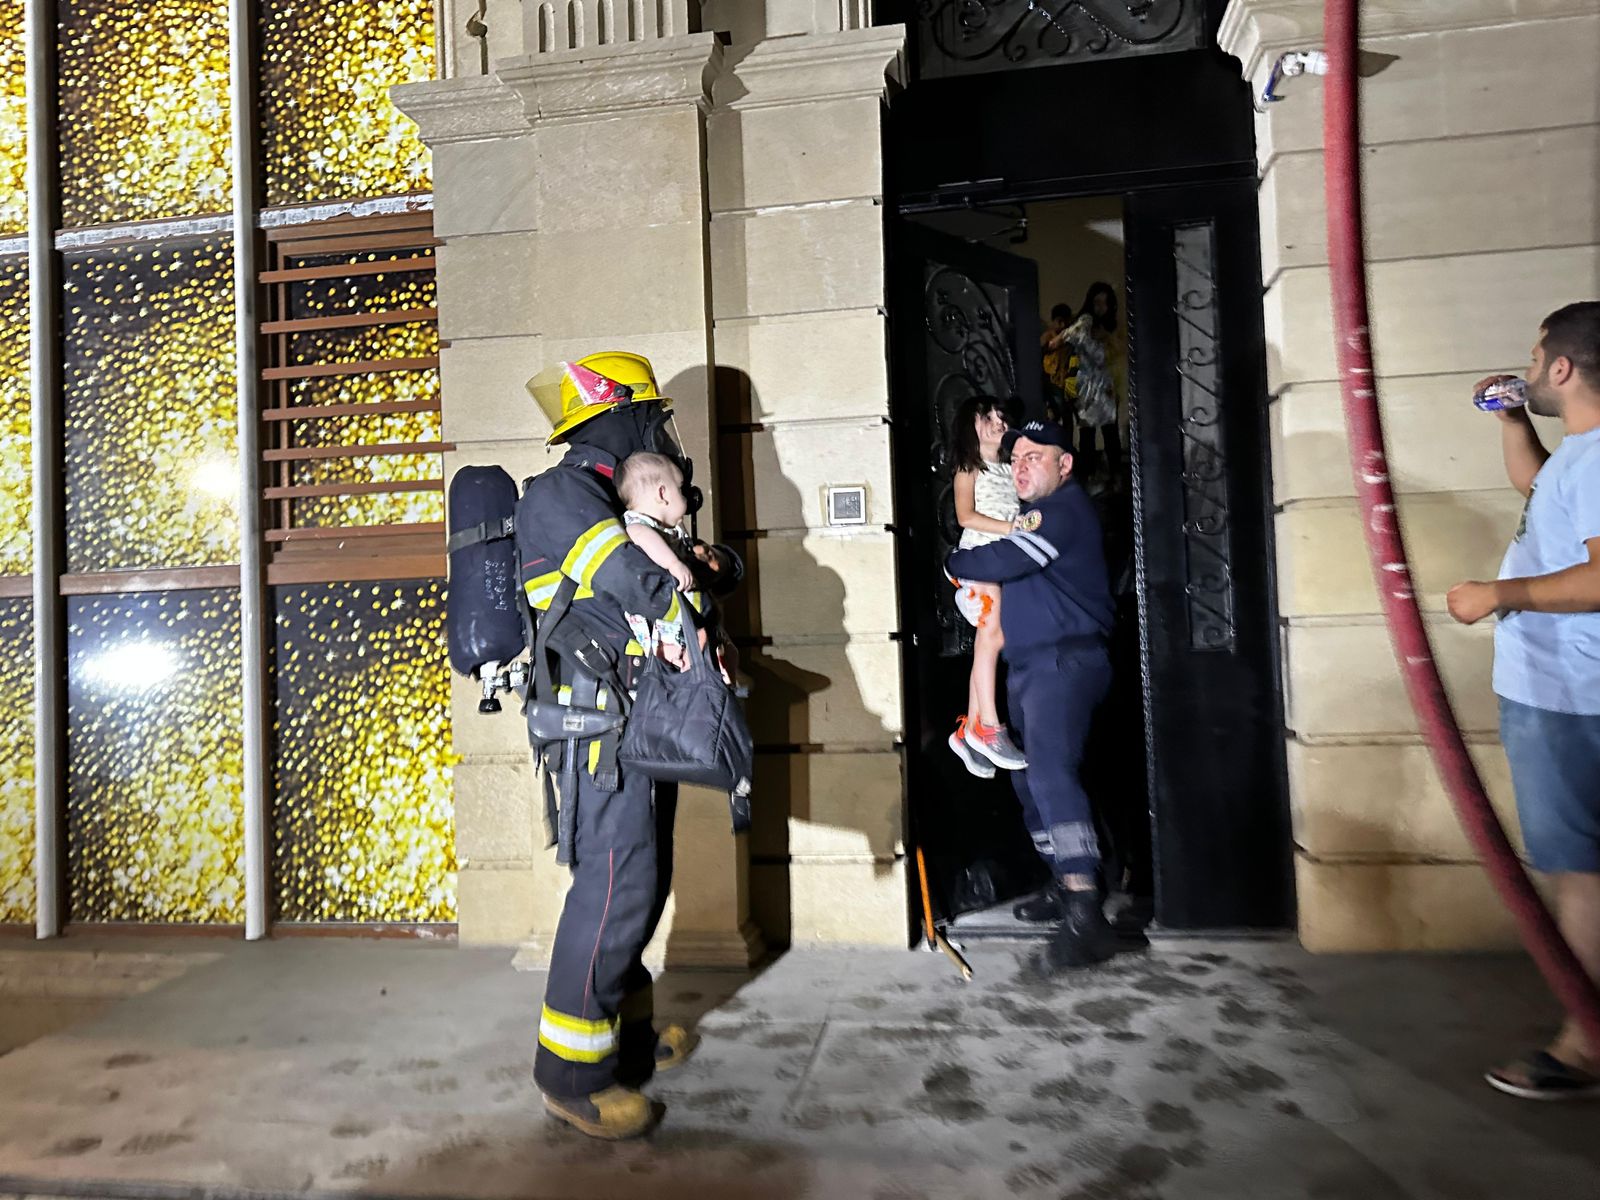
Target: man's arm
x,y
1519,441
1012,557
1574,590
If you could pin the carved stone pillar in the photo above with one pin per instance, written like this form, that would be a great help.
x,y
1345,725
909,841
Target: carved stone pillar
x,y
570,198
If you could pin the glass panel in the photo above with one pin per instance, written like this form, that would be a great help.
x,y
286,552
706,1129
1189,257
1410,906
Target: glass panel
x,y
16,425
409,386
364,816
380,508
362,293
16,760
366,294
369,343
144,110
328,128
151,420
155,818
13,122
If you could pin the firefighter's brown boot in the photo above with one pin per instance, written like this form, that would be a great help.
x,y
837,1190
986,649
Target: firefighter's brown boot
x,y
674,1045
614,1115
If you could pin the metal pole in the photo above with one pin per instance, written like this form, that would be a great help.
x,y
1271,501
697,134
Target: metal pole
x,y
252,584
39,41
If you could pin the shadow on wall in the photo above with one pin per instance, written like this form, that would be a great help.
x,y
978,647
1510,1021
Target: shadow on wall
x,y
819,791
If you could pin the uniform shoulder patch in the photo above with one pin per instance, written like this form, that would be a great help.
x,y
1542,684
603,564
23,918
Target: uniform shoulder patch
x,y
1030,521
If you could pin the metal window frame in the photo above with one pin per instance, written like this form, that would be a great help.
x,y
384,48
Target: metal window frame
x,y
251,227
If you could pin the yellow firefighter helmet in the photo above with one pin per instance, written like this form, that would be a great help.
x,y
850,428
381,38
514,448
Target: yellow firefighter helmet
x,y
571,393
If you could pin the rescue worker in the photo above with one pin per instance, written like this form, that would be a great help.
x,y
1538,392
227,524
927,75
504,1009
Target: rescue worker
x,y
1056,617
597,1043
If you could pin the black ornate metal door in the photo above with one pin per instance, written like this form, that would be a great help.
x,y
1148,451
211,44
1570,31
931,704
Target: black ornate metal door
x,y
965,322
1208,614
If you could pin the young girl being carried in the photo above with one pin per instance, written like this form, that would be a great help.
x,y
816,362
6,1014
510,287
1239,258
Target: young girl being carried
x,y
986,504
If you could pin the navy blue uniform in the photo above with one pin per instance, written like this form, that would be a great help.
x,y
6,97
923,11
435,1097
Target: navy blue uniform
x,y
1056,613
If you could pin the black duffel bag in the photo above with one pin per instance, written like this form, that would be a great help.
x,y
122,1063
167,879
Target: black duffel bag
x,y
686,727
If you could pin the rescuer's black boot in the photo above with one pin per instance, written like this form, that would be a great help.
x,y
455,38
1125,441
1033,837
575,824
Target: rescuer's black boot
x,y
1084,936
1048,904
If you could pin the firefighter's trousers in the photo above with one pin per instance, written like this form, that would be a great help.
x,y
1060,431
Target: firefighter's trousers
x,y
597,1027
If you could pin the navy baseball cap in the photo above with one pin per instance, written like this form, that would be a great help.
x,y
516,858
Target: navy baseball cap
x,y
1046,433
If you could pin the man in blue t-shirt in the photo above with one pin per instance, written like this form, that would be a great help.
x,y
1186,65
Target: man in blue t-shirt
x,y
1547,661
1056,614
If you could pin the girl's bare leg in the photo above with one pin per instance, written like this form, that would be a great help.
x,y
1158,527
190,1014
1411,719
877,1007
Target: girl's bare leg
x,y
986,661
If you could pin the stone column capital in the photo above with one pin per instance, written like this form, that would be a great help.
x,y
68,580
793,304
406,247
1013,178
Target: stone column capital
x,y
823,66
461,110
604,81
573,85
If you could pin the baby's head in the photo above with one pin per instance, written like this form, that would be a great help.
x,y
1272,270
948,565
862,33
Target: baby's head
x,y
652,484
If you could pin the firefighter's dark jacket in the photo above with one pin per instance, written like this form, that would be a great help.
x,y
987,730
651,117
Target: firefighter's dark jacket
x,y
569,524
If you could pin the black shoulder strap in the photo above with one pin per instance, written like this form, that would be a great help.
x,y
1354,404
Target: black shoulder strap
x,y
483,531
543,688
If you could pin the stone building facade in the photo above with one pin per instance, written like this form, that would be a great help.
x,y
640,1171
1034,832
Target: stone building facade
x,y
1481,183
707,187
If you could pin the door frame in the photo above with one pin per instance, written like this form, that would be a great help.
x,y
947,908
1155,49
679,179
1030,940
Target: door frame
x,y
1275,914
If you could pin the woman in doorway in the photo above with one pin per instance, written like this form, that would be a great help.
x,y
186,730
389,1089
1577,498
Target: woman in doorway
x,y
1096,389
986,504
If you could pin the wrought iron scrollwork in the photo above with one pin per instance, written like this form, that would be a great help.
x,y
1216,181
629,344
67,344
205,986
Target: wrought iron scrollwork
x,y
969,353
963,37
1208,556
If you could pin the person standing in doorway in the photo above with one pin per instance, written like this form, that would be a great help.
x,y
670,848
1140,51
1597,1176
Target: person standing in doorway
x,y
1059,363
1056,616
1547,662
1096,387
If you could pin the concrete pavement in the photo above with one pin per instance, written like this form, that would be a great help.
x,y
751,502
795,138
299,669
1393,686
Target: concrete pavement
x,y
1237,1070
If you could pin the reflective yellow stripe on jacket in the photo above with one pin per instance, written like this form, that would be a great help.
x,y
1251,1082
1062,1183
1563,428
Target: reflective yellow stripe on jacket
x,y
541,589
589,553
576,1039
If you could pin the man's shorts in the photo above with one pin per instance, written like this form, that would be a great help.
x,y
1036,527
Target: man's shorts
x,y
1555,767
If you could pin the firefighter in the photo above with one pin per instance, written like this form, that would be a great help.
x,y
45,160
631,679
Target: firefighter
x,y
597,1042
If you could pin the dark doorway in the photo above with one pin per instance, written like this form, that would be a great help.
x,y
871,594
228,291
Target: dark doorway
x,y
1186,762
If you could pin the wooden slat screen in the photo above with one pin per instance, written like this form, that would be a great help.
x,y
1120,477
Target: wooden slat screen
x,y
352,468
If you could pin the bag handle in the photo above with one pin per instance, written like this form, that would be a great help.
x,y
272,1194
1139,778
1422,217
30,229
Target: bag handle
x,y
699,656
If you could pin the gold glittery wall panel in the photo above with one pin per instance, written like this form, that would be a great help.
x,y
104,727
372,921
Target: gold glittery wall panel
x,y
155,824
366,294
144,109
16,760
13,122
16,428
328,128
151,434
364,813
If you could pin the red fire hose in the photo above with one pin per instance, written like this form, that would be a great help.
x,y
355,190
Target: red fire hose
x,y
1390,566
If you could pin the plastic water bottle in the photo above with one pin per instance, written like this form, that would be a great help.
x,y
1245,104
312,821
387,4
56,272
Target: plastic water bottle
x,y
1497,397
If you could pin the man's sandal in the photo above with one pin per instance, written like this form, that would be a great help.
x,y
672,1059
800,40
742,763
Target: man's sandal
x,y
1542,1076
